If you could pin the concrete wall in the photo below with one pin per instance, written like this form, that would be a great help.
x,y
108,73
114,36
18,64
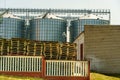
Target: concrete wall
x,y
102,47
79,40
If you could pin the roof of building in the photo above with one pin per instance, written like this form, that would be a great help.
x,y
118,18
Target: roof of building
x,y
79,36
49,16
9,15
90,16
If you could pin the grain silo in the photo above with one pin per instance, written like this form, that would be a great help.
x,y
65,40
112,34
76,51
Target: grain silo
x,y
11,26
48,28
77,26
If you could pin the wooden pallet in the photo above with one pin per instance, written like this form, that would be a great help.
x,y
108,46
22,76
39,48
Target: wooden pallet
x,y
17,46
67,50
51,50
3,47
34,48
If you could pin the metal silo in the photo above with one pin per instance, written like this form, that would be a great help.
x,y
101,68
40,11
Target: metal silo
x,y
11,26
48,28
77,26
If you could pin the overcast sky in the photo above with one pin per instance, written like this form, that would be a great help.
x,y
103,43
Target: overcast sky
x,y
113,5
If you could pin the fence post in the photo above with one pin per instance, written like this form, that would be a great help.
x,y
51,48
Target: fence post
x,y
88,70
43,67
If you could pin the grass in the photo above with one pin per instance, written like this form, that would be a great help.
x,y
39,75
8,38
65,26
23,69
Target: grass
x,y
93,76
5,77
97,76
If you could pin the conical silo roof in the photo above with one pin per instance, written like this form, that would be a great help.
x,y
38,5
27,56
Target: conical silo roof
x,y
9,15
49,16
90,16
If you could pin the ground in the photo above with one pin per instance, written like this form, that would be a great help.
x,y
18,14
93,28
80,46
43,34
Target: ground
x,y
4,77
93,76
97,76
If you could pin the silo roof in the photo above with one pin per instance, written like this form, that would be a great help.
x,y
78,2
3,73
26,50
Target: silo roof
x,y
90,16
49,16
9,15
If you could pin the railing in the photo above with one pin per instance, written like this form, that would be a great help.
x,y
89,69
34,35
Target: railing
x,y
20,63
37,66
66,68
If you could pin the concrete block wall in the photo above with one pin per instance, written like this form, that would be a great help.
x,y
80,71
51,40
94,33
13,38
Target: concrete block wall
x,y
102,47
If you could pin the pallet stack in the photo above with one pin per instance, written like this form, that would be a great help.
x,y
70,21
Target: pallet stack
x,y
72,51
38,48
3,47
51,50
67,51
22,46
6,47
55,47
30,48
17,46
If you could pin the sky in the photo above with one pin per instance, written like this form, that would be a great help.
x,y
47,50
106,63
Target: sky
x,y
113,5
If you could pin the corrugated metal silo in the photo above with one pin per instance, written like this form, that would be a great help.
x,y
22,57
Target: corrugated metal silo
x,y
11,26
77,26
49,28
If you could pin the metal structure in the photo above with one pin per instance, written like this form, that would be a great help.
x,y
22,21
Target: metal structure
x,y
77,26
37,66
21,64
3,13
66,14
66,68
11,26
48,29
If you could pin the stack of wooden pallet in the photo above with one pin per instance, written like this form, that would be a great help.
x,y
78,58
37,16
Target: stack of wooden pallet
x,y
47,50
17,46
51,50
55,47
67,51
72,51
3,47
38,48
22,46
30,48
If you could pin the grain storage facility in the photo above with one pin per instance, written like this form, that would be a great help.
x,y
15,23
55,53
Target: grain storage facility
x,y
11,26
77,26
43,55
56,31
101,45
49,28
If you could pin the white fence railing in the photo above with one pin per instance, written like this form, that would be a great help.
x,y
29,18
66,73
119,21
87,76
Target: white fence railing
x,y
21,63
51,67
66,68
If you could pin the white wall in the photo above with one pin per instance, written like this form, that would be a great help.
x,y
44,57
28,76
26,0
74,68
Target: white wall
x,y
78,41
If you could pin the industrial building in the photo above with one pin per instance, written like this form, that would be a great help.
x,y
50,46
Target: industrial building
x,y
100,44
49,24
48,28
33,41
11,26
77,26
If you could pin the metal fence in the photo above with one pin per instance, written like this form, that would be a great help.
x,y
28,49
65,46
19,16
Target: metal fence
x,y
37,66
66,68
20,63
